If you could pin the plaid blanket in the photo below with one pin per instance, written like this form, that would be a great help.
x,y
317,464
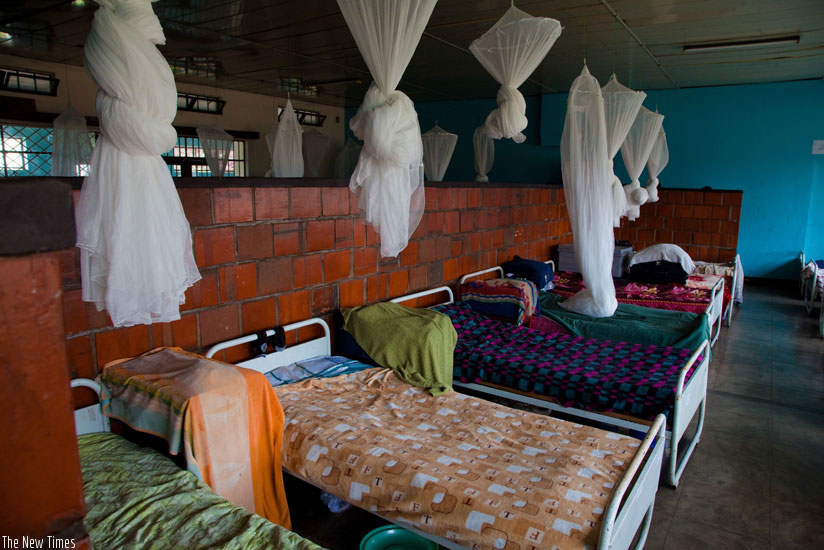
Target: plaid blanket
x,y
584,373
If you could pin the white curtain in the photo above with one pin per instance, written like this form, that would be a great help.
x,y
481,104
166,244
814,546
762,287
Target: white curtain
x,y
587,176
621,106
135,243
658,159
635,151
389,176
287,149
347,158
217,145
484,153
438,146
71,143
315,144
511,51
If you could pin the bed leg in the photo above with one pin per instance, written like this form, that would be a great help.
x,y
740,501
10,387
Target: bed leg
x,y
676,467
642,535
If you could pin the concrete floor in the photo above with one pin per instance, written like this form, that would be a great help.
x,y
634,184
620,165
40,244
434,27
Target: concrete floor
x,y
756,480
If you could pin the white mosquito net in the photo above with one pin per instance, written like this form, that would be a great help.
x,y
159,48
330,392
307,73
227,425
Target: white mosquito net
x,y
287,149
438,146
635,151
658,159
347,158
586,175
388,178
315,144
484,153
621,106
217,146
71,143
135,243
511,51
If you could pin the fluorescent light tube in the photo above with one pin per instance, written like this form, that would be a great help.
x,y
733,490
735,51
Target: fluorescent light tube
x,y
741,44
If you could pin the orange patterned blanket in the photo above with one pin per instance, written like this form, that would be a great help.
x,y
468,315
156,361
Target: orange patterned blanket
x,y
478,473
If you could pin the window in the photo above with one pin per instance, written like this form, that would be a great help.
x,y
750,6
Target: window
x,y
187,159
298,86
197,67
18,80
307,118
26,150
200,103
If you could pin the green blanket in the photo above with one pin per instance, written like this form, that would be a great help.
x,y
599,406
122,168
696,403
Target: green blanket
x,y
138,499
418,344
634,324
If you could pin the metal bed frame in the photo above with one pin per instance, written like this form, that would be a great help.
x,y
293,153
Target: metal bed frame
x,y
690,398
714,310
629,508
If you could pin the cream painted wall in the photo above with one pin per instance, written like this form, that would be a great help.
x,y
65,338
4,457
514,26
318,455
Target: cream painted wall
x,y
243,111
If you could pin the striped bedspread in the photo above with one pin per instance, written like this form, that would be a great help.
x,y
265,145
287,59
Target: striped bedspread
x,y
598,375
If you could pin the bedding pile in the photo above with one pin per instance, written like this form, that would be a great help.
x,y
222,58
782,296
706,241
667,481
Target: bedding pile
x,y
584,373
509,298
480,474
139,499
176,395
415,343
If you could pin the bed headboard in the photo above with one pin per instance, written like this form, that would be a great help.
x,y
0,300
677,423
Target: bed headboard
x,y
497,268
430,292
316,347
91,419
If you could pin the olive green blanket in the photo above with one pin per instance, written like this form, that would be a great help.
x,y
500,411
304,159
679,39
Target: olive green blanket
x,y
138,499
630,323
418,344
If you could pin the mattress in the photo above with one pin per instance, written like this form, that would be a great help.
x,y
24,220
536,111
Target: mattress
x,y
480,474
138,499
694,297
584,373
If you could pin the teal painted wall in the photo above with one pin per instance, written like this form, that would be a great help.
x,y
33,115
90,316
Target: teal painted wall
x,y
756,138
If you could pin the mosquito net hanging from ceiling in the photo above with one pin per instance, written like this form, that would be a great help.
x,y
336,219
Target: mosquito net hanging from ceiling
x,y
71,143
347,159
135,244
484,153
511,51
587,175
635,151
621,106
388,178
658,159
217,147
315,144
287,150
438,146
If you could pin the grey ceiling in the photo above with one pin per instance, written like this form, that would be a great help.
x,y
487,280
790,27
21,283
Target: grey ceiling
x,y
253,42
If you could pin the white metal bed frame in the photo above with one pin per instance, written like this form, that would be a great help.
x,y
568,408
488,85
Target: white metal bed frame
x,y
714,310
630,506
690,397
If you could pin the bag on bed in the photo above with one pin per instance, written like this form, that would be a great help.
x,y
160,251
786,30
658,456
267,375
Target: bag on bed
x,y
658,272
532,270
514,299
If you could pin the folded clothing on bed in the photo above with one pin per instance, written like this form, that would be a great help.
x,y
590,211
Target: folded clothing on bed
x,y
480,474
317,367
584,373
415,343
138,499
630,323
514,299
176,395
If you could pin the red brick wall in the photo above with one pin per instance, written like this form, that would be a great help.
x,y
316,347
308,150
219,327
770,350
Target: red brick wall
x,y
273,255
704,223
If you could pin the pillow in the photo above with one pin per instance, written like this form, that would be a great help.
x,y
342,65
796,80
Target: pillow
x,y
658,272
531,270
509,298
665,252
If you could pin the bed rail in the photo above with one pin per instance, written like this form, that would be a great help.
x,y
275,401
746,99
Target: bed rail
x,y
429,292
89,420
474,274
264,363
